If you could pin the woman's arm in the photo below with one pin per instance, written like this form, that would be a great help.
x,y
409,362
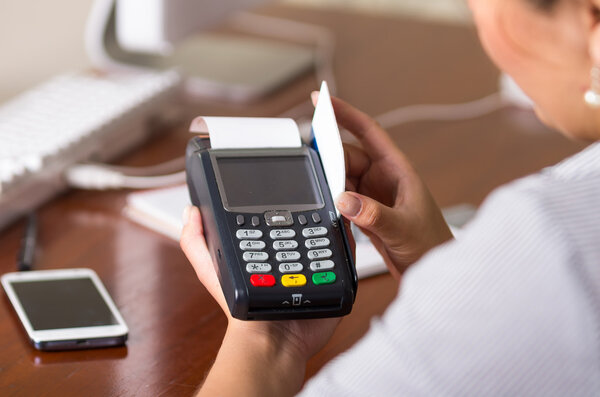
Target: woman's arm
x,y
257,358
252,363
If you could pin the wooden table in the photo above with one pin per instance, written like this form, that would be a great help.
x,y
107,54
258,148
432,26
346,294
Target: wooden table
x,y
175,327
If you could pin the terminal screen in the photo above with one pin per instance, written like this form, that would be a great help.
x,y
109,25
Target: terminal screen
x,y
268,181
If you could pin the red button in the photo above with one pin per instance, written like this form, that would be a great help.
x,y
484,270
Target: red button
x,y
262,280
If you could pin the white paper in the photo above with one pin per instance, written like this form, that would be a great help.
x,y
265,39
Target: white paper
x,y
159,209
248,132
329,143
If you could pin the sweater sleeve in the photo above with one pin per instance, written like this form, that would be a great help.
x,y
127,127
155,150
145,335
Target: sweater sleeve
x,y
498,312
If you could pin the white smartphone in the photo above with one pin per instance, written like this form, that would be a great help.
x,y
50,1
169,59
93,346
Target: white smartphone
x,y
65,309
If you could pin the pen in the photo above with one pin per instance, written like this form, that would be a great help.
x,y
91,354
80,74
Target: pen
x,y
28,242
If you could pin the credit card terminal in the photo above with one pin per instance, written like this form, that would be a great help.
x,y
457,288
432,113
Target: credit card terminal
x,y
279,248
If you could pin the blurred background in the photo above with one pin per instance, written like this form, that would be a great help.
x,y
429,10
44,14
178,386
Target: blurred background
x,y
43,38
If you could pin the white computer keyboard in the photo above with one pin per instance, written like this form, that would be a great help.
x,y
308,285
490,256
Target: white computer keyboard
x,y
69,119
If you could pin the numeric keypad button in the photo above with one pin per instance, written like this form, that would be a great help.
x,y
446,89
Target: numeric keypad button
x,y
287,256
323,278
248,234
282,234
255,256
293,280
320,254
262,280
317,242
281,245
290,267
321,265
258,268
314,232
252,245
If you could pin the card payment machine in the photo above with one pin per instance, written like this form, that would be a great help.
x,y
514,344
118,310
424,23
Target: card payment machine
x,y
278,245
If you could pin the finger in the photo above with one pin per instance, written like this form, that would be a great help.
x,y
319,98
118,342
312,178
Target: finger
x,y
194,246
368,214
192,237
372,137
357,161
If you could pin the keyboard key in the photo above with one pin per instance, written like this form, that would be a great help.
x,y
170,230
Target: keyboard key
x,y
282,234
323,278
251,234
320,254
287,256
290,267
258,268
252,245
279,218
317,242
262,280
321,265
285,245
293,280
255,256
314,232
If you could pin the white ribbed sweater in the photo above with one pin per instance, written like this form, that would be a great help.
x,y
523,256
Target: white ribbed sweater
x,y
510,309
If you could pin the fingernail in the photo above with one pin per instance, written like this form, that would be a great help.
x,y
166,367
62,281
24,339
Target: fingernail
x,y
185,217
348,204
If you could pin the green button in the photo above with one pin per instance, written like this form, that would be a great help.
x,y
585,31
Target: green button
x,y
323,278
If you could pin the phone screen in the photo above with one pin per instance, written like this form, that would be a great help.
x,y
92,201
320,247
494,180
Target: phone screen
x,y
63,303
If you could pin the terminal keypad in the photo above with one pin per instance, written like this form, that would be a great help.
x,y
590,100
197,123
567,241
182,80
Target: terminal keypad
x,y
289,250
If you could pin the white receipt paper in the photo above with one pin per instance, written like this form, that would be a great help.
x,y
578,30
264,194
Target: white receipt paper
x,y
329,143
248,132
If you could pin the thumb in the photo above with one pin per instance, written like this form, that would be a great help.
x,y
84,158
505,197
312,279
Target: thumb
x,y
367,213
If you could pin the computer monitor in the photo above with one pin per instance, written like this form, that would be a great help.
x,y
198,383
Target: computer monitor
x,y
157,26
165,34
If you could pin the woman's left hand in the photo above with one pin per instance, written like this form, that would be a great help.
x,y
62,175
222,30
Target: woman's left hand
x,y
280,345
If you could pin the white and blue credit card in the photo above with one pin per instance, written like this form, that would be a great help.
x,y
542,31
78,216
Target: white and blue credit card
x,y
327,142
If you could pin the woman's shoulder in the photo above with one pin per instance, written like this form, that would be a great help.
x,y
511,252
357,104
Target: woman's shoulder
x,y
583,165
547,222
564,198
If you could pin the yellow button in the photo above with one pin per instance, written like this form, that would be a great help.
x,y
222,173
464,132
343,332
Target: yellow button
x,y
293,280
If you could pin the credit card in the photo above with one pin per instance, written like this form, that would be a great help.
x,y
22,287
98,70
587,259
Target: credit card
x,y
327,142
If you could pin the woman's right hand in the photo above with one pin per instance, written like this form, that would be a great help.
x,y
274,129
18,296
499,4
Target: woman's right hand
x,y
387,199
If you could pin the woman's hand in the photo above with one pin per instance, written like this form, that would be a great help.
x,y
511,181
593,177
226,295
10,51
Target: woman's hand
x,y
266,357
387,198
